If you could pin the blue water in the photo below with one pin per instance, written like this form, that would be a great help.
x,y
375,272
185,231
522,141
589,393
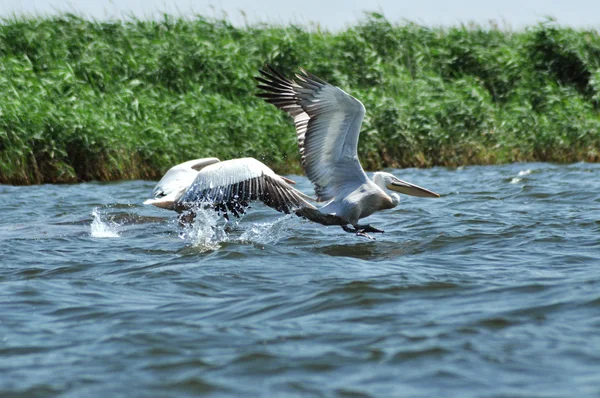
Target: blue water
x,y
493,290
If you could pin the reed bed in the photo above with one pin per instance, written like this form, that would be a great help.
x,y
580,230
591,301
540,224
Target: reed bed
x,y
96,100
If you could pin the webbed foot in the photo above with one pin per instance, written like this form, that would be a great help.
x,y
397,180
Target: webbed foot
x,y
186,218
368,228
361,230
362,233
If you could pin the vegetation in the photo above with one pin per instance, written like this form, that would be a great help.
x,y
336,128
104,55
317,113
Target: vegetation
x,y
86,100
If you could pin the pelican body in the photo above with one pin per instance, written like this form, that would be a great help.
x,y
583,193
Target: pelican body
x,y
328,122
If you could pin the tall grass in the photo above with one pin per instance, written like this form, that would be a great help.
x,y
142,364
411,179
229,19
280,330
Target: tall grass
x,y
86,100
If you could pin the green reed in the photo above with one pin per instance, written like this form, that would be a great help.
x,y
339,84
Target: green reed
x,y
85,100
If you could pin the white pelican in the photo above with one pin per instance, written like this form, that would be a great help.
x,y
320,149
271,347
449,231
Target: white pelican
x,y
328,121
227,186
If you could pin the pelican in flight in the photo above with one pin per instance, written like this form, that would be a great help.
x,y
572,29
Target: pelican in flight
x,y
228,186
327,121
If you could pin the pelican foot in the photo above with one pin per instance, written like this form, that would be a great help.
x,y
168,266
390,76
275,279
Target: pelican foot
x,y
362,233
368,228
361,230
186,218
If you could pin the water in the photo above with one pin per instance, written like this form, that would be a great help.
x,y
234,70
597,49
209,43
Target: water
x,y
492,290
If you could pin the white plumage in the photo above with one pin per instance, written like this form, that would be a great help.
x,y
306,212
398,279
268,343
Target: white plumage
x,y
176,181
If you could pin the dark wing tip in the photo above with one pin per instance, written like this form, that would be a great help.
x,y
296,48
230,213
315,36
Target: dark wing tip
x,y
273,74
312,77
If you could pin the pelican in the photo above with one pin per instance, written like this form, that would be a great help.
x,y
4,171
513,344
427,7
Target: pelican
x,y
328,121
227,186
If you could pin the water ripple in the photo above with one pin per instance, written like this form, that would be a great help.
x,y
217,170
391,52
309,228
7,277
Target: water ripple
x,y
492,290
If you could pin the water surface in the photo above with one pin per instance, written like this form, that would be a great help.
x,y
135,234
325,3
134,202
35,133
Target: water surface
x,y
493,290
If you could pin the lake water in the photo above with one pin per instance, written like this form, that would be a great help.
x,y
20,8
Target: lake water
x,y
492,290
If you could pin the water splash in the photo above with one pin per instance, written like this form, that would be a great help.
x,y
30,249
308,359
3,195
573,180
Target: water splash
x,y
524,172
102,229
521,173
264,233
209,230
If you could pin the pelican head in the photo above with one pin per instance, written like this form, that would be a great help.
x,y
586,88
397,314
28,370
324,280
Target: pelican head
x,y
393,183
176,181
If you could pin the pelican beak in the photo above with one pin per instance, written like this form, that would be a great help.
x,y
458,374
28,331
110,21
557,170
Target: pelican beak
x,y
410,189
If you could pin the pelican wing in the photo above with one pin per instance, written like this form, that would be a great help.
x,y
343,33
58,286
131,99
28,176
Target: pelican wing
x,y
327,121
229,186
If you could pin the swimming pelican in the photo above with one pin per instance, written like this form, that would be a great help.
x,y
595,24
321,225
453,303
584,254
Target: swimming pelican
x,y
328,121
227,186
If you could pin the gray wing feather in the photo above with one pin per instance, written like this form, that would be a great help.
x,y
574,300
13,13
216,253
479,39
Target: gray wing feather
x,y
327,122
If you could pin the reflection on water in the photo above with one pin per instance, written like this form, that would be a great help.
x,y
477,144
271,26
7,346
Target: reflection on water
x,y
372,250
490,290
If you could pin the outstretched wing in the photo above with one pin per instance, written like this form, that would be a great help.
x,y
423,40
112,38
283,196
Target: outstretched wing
x,y
229,186
327,121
